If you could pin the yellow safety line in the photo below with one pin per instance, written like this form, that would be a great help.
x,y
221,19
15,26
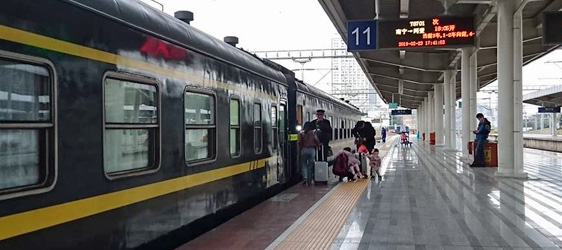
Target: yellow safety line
x,y
322,226
48,43
21,223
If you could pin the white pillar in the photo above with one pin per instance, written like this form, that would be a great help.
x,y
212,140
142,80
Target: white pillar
x,y
425,119
438,114
420,121
554,125
452,108
473,90
518,163
431,101
542,121
447,95
506,9
465,96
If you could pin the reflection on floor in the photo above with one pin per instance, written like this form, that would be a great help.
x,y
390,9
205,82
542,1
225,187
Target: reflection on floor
x,y
429,199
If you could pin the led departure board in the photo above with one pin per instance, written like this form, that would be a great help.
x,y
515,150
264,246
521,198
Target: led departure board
x,y
552,28
432,32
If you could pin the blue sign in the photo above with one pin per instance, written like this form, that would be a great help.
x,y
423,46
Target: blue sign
x,y
361,35
549,109
392,105
401,112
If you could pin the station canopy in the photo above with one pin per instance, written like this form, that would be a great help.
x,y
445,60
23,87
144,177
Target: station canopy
x,y
419,65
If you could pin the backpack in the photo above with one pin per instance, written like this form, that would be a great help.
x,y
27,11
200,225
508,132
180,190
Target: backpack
x,y
340,166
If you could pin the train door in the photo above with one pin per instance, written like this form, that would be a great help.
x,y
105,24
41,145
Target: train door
x,y
283,146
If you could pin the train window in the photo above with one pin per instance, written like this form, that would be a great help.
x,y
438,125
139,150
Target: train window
x,y
299,115
234,127
335,127
307,116
26,126
200,126
282,128
274,131
257,128
131,110
342,128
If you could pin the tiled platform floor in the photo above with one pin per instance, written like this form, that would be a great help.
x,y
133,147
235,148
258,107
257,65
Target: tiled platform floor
x,y
429,199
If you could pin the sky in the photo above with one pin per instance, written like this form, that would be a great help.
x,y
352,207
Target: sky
x,y
302,24
262,25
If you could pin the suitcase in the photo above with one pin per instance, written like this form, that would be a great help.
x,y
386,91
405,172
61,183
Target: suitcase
x,y
320,170
365,168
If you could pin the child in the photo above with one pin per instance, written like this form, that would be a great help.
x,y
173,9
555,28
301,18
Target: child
x,y
362,147
375,163
353,163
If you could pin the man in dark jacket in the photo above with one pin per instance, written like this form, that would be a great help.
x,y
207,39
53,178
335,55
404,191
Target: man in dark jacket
x,y
481,138
383,134
325,133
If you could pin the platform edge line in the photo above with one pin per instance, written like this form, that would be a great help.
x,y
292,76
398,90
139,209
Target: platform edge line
x,y
299,221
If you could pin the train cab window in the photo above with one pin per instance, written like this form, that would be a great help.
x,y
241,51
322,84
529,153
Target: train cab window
x,y
299,115
26,126
131,111
234,127
200,126
257,128
274,129
307,116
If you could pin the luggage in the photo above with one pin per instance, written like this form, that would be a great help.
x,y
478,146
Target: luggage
x,y
365,168
320,169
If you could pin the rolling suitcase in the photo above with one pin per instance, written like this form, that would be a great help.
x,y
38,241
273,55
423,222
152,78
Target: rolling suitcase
x,y
320,169
364,164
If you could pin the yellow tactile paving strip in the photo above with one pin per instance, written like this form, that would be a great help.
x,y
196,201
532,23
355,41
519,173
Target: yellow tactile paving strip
x,y
321,227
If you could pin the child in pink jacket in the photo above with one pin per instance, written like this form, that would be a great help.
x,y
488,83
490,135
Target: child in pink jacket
x,y
375,163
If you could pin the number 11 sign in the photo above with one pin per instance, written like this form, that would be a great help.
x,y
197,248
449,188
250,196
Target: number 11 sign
x,y
361,35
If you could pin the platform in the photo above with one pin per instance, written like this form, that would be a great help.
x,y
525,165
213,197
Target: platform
x,y
539,141
428,199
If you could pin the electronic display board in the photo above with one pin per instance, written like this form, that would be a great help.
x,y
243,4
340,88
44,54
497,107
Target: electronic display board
x,y
446,31
552,28
401,112
549,109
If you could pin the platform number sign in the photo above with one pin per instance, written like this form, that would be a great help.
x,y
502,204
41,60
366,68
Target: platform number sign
x,y
361,35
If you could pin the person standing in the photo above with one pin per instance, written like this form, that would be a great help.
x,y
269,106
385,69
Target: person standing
x,y
370,134
359,133
383,135
308,142
325,133
481,137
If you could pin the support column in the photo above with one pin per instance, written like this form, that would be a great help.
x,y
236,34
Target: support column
x,y
506,9
465,96
541,115
554,125
518,163
425,119
431,111
447,95
438,100
473,90
452,108
420,119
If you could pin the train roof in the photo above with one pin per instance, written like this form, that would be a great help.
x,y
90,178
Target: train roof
x,y
303,87
159,24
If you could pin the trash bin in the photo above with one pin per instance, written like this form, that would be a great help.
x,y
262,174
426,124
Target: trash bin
x,y
432,138
490,152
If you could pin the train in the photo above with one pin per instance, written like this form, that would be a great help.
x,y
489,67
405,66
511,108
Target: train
x,y
122,127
